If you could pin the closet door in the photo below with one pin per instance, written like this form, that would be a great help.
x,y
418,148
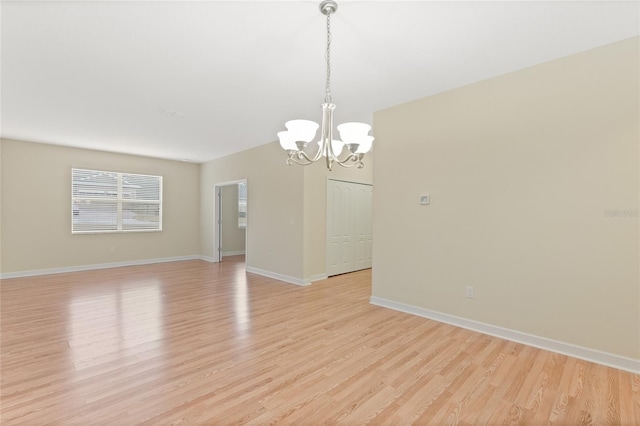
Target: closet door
x,y
359,226
349,236
368,226
339,235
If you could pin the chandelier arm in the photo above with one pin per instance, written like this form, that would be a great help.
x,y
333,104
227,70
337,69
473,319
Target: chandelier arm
x,y
291,159
330,157
351,160
318,154
300,157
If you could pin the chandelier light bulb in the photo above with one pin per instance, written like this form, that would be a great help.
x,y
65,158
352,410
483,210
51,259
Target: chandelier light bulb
x,y
286,140
302,130
353,133
365,145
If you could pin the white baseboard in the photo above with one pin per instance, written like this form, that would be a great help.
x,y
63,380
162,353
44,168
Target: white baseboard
x,y
277,276
610,360
65,269
232,253
208,259
318,277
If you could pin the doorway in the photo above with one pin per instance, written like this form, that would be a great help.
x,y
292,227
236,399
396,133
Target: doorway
x,y
230,219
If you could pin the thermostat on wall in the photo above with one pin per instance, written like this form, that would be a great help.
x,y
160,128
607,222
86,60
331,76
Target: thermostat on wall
x,y
425,199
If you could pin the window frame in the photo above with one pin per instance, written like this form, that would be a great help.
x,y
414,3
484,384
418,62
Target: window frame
x,y
119,200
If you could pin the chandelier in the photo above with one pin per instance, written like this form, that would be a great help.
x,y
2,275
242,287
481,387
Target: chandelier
x,y
355,136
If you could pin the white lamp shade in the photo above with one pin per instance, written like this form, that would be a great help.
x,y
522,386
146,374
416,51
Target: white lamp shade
x,y
351,133
301,130
365,145
336,145
286,140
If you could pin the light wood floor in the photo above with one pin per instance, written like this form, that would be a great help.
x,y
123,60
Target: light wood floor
x,y
198,343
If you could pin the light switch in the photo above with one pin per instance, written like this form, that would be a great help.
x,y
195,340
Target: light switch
x,y
425,199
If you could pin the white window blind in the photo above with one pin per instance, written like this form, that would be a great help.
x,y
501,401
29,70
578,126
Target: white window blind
x,y
115,202
242,205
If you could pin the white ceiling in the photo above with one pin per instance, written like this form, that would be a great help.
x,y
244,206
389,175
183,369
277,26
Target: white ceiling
x,y
197,80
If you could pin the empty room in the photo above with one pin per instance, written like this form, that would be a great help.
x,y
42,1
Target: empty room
x,y
320,212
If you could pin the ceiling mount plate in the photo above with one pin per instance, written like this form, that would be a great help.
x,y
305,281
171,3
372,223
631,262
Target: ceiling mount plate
x,y
328,7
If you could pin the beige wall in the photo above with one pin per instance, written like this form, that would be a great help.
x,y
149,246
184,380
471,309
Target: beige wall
x,y
233,238
0,205
275,207
36,209
524,172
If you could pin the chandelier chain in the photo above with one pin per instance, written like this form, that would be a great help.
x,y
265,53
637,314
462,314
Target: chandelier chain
x,y
327,96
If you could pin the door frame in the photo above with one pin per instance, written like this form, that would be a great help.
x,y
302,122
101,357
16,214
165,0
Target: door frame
x,y
217,235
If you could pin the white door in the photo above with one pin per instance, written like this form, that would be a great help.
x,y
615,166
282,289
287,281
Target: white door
x,y
369,227
363,226
359,227
334,235
349,235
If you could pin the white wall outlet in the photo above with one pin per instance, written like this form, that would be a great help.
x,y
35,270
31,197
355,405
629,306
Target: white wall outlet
x,y
470,292
425,199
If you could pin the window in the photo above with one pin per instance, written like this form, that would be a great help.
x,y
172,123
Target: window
x,y
115,202
242,205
